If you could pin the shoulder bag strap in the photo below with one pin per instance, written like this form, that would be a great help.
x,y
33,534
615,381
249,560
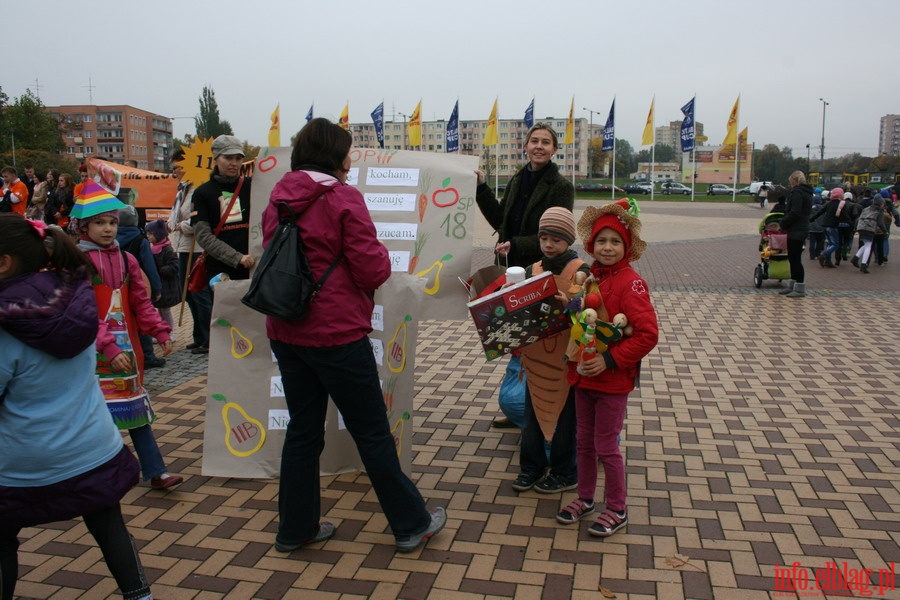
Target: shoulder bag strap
x,y
292,216
568,273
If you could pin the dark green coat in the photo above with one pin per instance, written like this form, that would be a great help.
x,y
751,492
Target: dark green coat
x,y
552,190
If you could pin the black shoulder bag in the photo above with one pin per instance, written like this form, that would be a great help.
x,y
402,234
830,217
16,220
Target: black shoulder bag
x,y
283,284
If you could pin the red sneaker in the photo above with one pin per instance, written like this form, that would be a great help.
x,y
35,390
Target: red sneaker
x,y
165,481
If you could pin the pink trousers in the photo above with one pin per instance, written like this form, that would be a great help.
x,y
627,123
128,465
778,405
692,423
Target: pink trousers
x,y
600,418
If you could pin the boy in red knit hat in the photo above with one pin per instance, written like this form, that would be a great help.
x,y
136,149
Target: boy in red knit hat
x,y
611,235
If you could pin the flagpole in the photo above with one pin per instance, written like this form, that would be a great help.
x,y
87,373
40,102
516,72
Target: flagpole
x,y
652,163
693,167
737,149
613,191
694,151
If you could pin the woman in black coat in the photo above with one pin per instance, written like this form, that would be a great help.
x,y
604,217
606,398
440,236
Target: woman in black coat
x,y
796,225
536,187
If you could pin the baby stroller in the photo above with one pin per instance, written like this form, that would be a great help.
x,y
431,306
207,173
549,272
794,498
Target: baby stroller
x,y
772,251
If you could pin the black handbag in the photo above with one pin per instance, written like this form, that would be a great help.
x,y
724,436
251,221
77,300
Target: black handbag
x,y
283,285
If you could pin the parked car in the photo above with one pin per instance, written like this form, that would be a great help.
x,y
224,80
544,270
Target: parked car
x,y
639,187
745,191
596,187
719,189
673,187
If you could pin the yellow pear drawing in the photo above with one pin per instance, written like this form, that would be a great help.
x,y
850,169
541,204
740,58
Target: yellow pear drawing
x,y
437,266
245,430
241,345
396,347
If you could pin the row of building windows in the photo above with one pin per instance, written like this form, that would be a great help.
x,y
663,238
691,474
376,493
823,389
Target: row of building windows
x,y
80,150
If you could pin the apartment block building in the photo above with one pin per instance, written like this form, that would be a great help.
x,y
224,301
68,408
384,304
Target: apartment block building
x,y
118,133
670,134
510,146
889,136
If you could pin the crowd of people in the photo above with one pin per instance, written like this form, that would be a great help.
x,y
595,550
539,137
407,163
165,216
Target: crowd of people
x,y
82,242
826,222
842,213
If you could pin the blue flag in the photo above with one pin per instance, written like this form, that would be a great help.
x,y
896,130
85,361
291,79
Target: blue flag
x,y
453,129
378,119
609,131
309,115
687,126
529,115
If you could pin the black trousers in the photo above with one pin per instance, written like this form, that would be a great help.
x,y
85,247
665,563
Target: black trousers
x,y
795,258
114,541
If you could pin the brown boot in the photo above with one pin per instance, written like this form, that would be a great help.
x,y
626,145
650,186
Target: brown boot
x,y
828,264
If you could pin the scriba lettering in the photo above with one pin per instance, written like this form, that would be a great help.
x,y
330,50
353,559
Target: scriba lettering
x,y
515,301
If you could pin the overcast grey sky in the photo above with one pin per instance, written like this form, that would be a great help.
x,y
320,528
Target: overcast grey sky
x,y
780,56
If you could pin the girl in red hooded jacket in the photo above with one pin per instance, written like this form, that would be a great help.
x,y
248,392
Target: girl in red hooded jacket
x,y
611,235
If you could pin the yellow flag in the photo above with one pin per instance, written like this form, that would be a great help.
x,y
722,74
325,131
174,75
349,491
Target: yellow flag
x,y
742,138
415,126
275,129
570,125
490,136
649,133
344,121
731,132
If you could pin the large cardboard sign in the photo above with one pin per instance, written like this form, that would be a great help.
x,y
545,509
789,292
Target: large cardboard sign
x,y
423,207
246,414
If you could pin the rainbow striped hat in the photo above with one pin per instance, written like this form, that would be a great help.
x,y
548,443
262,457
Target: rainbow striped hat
x,y
93,201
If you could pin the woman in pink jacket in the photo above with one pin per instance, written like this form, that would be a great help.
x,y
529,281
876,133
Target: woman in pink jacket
x,y
328,352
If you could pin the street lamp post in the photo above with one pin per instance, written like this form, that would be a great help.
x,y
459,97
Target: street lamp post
x,y
591,145
822,147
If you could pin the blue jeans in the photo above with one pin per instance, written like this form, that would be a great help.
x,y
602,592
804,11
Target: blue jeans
x,y
147,451
833,241
349,375
816,243
147,346
200,304
533,457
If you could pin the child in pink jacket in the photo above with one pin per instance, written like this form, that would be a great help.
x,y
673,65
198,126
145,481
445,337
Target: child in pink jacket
x,y
124,310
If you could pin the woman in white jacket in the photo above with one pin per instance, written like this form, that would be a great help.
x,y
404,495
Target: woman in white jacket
x,y
183,242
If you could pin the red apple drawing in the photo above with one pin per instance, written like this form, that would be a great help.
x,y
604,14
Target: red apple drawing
x,y
267,164
442,192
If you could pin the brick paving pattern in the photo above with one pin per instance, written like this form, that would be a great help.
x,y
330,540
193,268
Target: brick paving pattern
x,y
765,432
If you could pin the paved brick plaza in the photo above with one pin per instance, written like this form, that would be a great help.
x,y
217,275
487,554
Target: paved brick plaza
x,y
765,432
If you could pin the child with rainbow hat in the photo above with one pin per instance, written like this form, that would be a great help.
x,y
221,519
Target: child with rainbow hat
x,y
124,307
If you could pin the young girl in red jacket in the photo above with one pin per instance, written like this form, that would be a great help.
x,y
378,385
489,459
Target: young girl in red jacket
x,y
611,235
124,310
